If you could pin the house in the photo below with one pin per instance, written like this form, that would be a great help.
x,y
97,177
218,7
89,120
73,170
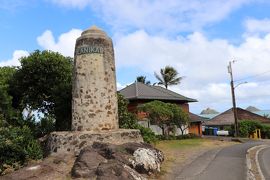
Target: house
x,y
195,126
139,93
227,118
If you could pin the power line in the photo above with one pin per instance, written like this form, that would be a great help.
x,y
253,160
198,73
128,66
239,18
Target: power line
x,y
253,76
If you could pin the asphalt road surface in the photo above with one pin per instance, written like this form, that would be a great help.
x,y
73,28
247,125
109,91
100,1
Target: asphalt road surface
x,y
227,164
264,160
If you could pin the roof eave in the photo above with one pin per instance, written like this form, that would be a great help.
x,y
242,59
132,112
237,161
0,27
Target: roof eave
x,y
152,98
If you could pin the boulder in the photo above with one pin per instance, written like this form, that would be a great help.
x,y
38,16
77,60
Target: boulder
x,y
86,164
108,161
115,170
147,160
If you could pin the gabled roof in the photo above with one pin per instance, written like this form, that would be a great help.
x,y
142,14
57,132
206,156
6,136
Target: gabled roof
x,y
195,118
227,117
139,90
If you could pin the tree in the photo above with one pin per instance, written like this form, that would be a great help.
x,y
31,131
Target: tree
x,y
142,79
166,115
159,113
168,76
6,110
180,118
43,83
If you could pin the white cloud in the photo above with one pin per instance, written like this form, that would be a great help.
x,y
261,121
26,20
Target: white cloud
x,y
65,43
203,62
165,16
119,86
257,26
73,3
17,54
192,56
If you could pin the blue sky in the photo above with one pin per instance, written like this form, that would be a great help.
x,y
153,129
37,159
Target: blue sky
x,y
197,37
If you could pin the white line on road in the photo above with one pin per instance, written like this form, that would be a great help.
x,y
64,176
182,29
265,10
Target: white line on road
x,y
257,161
250,174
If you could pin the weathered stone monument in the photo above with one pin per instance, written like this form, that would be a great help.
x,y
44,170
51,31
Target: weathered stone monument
x,y
94,102
94,98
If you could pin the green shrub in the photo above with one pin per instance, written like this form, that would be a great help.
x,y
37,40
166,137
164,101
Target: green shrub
x,y
17,146
147,134
247,127
265,131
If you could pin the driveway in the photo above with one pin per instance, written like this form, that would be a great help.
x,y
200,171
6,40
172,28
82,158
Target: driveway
x,y
227,163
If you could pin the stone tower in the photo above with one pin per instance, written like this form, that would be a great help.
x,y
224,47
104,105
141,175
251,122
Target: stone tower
x,y
94,98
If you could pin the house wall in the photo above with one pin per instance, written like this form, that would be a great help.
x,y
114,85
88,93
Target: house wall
x,y
158,131
184,106
196,128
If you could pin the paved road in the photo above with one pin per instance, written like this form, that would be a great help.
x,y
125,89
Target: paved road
x,y
227,164
264,160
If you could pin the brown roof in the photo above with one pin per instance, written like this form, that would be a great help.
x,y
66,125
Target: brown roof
x,y
227,117
195,118
139,90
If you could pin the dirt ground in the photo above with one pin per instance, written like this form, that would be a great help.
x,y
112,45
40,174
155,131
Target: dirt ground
x,y
179,153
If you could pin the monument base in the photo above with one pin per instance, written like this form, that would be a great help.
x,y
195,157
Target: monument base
x,y
74,141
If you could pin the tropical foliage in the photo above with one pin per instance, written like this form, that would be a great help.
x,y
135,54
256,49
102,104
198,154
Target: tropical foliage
x,y
158,113
128,120
6,110
43,83
168,76
143,80
17,146
180,118
248,127
165,115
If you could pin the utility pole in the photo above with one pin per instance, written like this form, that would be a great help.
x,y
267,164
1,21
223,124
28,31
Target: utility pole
x,y
233,99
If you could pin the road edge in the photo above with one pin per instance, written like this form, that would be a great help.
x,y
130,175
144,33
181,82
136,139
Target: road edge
x,y
250,171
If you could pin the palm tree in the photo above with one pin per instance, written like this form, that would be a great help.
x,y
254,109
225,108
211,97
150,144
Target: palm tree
x,y
168,76
142,79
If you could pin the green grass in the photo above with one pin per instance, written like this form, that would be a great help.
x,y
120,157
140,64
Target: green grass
x,y
176,144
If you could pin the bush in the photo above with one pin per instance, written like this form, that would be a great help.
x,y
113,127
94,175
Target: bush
x,y
17,146
147,134
248,127
265,131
